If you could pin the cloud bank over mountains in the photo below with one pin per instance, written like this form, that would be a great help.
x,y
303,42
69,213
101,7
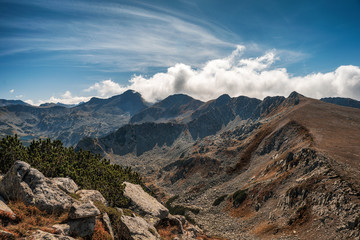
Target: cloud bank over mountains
x,y
234,75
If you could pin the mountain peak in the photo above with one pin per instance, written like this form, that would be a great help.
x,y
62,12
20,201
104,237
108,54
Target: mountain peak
x,y
295,95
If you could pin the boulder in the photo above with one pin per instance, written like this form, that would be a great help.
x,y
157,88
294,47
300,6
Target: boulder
x,y
82,227
93,195
66,184
4,209
83,210
30,186
143,203
139,229
62,229
107,224
38,235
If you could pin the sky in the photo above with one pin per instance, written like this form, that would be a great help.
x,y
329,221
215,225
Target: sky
x,y
71,50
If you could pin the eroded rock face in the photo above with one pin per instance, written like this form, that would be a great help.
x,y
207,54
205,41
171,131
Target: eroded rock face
x,y
82,227
29,185
66,184
143,203
139,228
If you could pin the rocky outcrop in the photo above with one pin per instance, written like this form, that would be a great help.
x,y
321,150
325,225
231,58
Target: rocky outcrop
x,y
83,210
139,228
29,185
143,203
66,184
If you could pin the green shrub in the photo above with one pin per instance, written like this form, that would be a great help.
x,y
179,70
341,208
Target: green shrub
x,y
219,200
238,197
89,171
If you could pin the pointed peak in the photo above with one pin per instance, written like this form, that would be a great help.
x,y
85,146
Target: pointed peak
x,y
294,95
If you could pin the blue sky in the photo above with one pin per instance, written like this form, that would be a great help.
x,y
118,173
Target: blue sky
x,y
71,50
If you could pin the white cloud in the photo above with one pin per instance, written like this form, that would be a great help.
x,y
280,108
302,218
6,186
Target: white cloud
x,y
234,75
12,91
254,77
106,88
65,98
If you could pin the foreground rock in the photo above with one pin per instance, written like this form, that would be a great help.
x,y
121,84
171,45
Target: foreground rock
x,y
143,203
83,210
66,184
4,209
38,235
30,186
140,229
91,195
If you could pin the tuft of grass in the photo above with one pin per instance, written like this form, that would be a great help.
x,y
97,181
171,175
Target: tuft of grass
x,y
29,219
219,200
75,196
100,233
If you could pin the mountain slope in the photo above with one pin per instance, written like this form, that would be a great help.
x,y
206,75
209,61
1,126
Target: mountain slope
x,y
289,170
347,102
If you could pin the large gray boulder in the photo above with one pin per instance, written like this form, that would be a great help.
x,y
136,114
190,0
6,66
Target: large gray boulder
x,y
139,229
66,184
83,210
30,186
82,227
143,203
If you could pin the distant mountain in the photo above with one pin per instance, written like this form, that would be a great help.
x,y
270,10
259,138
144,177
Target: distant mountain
x,y
58,104
93,119
347,102
4,102
177,108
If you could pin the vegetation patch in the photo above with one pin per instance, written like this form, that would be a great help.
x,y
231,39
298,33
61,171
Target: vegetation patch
x,y
238,197
219,200
99,232
29,219
89,171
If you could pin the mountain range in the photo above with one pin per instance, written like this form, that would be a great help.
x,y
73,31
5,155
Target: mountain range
x,y
277,168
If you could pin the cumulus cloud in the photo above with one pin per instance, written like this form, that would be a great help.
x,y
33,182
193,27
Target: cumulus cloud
x,y
12,91
66,98
254,77
106,88
234,75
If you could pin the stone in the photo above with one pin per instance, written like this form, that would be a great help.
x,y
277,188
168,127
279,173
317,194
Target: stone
x,y
30,186
83,210
4,209
107,224
143,203
62,229
139,229
38,235
66,184
93,195
82,227
6,235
